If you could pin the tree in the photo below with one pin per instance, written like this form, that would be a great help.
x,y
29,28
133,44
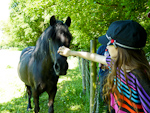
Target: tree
x,y
90,18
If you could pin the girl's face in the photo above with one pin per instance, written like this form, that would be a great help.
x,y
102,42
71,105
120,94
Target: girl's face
x,y
112,51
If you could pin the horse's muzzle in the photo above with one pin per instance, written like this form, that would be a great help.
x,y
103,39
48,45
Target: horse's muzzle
x,y
61,68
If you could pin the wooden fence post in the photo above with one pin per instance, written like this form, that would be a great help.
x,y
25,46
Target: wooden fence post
x,y
92,76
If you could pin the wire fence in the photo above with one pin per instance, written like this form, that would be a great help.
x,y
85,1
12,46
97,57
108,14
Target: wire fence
x,y
84,68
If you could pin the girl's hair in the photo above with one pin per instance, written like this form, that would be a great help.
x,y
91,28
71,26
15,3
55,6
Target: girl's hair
x,y
132,59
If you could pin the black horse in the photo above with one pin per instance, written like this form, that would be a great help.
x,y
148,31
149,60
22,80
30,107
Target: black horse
x,y
40,66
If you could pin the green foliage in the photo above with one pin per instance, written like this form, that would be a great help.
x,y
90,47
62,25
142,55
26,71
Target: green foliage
x,y
90,18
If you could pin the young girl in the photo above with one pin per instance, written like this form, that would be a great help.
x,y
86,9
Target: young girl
x,y
127,89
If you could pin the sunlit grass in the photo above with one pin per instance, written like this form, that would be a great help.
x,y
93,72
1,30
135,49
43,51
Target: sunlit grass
x,y
10,86
75,107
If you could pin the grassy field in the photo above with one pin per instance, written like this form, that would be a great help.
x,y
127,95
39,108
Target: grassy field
x,y
13,96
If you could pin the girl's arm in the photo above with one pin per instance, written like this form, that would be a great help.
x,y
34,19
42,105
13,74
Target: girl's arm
x,y
86,55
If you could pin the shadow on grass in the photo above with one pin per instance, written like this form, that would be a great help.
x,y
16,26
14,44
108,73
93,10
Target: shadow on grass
x,y
69,97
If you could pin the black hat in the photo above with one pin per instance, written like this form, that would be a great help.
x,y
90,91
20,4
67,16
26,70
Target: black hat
x,y
126,34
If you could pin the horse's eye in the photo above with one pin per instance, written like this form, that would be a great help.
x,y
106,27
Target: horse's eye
x,y
65,35
61,32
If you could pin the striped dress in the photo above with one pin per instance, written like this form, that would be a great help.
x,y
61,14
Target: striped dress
x,y
140,93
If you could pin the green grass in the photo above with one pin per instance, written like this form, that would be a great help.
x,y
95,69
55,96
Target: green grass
x,y
70,94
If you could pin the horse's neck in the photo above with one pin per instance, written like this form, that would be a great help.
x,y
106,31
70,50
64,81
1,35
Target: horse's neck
x,y
42,49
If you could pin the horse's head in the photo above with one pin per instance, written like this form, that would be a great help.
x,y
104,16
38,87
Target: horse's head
x,y
60,36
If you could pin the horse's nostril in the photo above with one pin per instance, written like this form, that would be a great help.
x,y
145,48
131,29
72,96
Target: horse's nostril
x,y
57,68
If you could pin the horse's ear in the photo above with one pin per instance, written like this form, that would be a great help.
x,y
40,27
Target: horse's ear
x,y
52,20
68,21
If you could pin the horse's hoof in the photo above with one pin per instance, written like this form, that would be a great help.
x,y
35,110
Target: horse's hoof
x,y
50,111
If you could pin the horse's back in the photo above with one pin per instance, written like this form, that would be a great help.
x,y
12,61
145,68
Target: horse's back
x,y
27,51
23,64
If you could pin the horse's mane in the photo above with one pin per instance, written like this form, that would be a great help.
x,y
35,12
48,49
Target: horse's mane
x,y
42,46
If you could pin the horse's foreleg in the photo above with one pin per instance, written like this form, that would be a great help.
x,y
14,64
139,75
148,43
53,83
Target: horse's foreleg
x,y
51,99
29,97
36,100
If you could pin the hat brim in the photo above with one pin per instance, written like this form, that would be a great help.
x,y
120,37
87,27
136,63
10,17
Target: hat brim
x,y
103,40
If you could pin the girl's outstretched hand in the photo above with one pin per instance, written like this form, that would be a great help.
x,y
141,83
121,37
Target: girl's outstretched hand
x,y
64,51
